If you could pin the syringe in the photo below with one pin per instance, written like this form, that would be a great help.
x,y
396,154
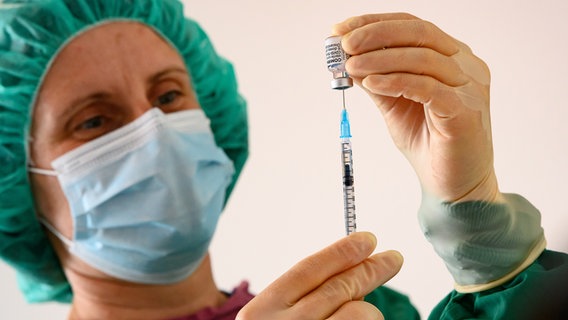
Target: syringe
x,y
336,58
348,180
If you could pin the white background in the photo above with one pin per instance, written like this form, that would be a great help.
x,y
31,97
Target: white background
x,y
288,202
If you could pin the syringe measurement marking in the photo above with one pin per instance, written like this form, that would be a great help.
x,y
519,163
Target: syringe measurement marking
x,y
348,187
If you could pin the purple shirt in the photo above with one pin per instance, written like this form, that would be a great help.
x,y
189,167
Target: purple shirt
x,y
228,311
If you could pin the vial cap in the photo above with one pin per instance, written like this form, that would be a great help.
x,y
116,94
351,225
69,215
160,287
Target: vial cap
x,y
341,83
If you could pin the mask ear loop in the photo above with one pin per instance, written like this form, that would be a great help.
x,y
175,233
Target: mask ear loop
x,y
31,168
54,231
45,172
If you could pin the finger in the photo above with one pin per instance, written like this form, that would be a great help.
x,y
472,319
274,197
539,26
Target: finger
x,y
311,272
359,21
352,284
421,89
420,61
357,310
399,33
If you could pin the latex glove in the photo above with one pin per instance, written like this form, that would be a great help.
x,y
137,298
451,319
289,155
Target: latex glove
x,y
329,284
434,95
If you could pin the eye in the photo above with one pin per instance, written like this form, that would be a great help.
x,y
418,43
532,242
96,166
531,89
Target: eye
x,y
172,94
92,123
168,99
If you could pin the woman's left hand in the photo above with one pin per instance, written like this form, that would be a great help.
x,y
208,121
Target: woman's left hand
x,y
433,93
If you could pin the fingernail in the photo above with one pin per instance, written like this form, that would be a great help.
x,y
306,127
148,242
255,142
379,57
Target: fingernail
x,y
336,30
397,258
365,84
344,39
373,238
366,238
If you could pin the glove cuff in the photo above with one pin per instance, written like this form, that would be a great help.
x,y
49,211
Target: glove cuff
x,y
483,244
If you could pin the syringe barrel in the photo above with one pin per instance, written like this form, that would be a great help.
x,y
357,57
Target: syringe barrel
x,y
347,160
348,186
349,210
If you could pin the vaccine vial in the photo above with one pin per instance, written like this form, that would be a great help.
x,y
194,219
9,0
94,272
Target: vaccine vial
x,y
336,58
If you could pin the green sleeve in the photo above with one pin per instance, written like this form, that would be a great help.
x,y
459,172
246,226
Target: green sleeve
x,y
392,304
539,292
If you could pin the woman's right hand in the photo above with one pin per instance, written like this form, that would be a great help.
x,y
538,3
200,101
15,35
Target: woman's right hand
x,y
330,284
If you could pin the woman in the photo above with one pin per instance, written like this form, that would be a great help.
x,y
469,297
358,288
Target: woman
x,y
132,133
135,134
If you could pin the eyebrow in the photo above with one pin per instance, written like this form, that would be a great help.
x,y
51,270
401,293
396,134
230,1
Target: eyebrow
x,y
175,69
76,103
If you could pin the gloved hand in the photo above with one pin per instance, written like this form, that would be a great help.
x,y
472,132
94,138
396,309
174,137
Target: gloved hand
x,y
434,95
330,284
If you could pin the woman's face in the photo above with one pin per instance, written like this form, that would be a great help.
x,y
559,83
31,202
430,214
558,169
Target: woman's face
x,y
102,80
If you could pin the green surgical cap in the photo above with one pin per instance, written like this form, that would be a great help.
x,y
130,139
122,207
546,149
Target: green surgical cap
x,y
31,34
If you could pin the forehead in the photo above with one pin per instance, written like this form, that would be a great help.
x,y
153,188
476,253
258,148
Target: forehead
x,y
114,37
109,50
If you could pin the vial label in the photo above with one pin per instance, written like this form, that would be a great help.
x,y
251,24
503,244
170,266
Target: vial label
x,y
334,54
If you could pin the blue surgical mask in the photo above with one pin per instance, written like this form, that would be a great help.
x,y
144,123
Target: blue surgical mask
x,y
145,199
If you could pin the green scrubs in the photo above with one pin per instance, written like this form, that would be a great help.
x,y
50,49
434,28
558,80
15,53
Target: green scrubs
x,y
540,292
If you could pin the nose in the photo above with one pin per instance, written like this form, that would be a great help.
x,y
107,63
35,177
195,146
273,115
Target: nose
x,y
138,107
